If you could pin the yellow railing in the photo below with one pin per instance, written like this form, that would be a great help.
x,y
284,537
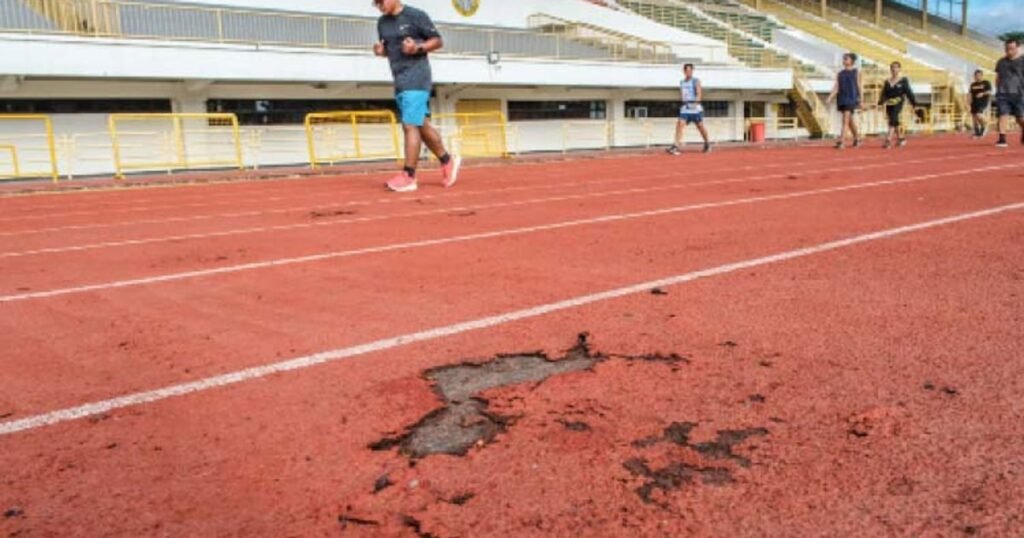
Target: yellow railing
x,y
140,19
776,128
344,136
32,146
174,142
12,152
475,134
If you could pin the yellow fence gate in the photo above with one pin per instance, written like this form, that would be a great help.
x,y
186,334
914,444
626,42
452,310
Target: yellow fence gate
x,y
474,134
354,135
27,147
168,142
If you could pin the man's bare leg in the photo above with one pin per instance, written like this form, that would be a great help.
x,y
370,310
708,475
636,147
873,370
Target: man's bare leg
x,y
413,146
432,139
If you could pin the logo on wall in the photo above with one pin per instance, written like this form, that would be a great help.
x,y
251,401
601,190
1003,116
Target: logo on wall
x,y
467,8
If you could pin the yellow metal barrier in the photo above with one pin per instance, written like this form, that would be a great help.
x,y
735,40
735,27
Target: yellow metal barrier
x,y
775,128
29,141
474,134
353,135
149,142
13,152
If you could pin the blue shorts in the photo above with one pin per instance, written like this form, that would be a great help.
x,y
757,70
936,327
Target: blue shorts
x,y
691,117
1010,105
414,106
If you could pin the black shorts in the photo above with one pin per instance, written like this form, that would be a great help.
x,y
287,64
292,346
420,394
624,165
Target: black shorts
x,y
979,107
849,108
893,112
1010,105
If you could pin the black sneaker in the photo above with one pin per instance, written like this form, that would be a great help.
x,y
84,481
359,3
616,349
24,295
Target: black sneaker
x,y
1002,142
887,145
707,147
674,150
856,143
840,145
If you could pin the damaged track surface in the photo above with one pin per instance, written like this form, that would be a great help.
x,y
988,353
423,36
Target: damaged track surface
x,y
887,374
464,420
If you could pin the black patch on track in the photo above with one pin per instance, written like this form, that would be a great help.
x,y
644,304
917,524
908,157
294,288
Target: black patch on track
x,y
463,421
680,473
332,213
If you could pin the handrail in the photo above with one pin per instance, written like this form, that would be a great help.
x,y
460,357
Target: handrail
x,y
143,19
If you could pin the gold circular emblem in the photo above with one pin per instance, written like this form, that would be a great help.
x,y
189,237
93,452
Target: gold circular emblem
x,y
467,8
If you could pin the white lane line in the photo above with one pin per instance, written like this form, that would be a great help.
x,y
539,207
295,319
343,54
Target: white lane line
x,y
509,232
463,193
220,201
428,212
301,363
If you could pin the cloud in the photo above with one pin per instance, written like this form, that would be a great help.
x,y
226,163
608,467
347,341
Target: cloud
x,y
996,16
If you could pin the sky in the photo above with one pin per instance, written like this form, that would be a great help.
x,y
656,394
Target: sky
x,y
996,16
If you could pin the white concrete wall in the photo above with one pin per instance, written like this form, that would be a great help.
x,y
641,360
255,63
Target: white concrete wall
x,y
91,58
958,66
808,47
84,144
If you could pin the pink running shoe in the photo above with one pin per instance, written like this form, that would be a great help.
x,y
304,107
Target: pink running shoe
x,y
402,182
450,171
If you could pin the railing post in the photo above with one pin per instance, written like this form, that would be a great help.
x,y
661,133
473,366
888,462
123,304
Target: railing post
x,y
220,25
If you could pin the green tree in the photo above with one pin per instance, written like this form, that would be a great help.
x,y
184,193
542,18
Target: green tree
x,y
1018,35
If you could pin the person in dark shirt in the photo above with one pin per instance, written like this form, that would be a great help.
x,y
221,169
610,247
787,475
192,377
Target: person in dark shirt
x,y
981,98
847,91
895,93
1010,90
406,37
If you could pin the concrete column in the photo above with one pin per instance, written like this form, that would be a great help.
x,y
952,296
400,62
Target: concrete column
x,y
878,12
963,19
617,120
824,8
924,14
739,121
198,146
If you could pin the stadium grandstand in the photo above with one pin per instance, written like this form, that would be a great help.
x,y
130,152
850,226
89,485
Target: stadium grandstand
x,y
94,87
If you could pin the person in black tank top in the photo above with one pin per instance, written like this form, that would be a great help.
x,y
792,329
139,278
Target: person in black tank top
x,y
896,92
848,88
980,99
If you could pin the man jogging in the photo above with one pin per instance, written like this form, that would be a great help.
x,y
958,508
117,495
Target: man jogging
x,y
980,99
1010,90
406,37
691,111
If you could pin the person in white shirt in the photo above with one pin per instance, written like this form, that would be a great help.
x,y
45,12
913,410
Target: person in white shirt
x,y
691,111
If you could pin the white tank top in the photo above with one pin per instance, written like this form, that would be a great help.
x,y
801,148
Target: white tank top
x,y
688,89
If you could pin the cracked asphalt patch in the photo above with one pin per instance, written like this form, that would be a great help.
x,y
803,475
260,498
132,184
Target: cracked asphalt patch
x,y
464,420
677,474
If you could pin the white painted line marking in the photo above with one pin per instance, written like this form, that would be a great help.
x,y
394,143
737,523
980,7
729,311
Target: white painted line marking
x,y
465,193
239,376
441,211
171,277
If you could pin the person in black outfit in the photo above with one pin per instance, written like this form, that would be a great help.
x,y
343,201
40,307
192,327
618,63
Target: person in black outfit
x,y
981,98
847,92
895,93
1010,90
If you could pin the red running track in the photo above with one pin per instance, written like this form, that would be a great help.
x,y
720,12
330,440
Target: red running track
x,y
215,360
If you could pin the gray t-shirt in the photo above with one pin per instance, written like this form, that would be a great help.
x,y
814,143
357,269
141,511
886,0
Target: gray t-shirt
x,y
410,72
1011,76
